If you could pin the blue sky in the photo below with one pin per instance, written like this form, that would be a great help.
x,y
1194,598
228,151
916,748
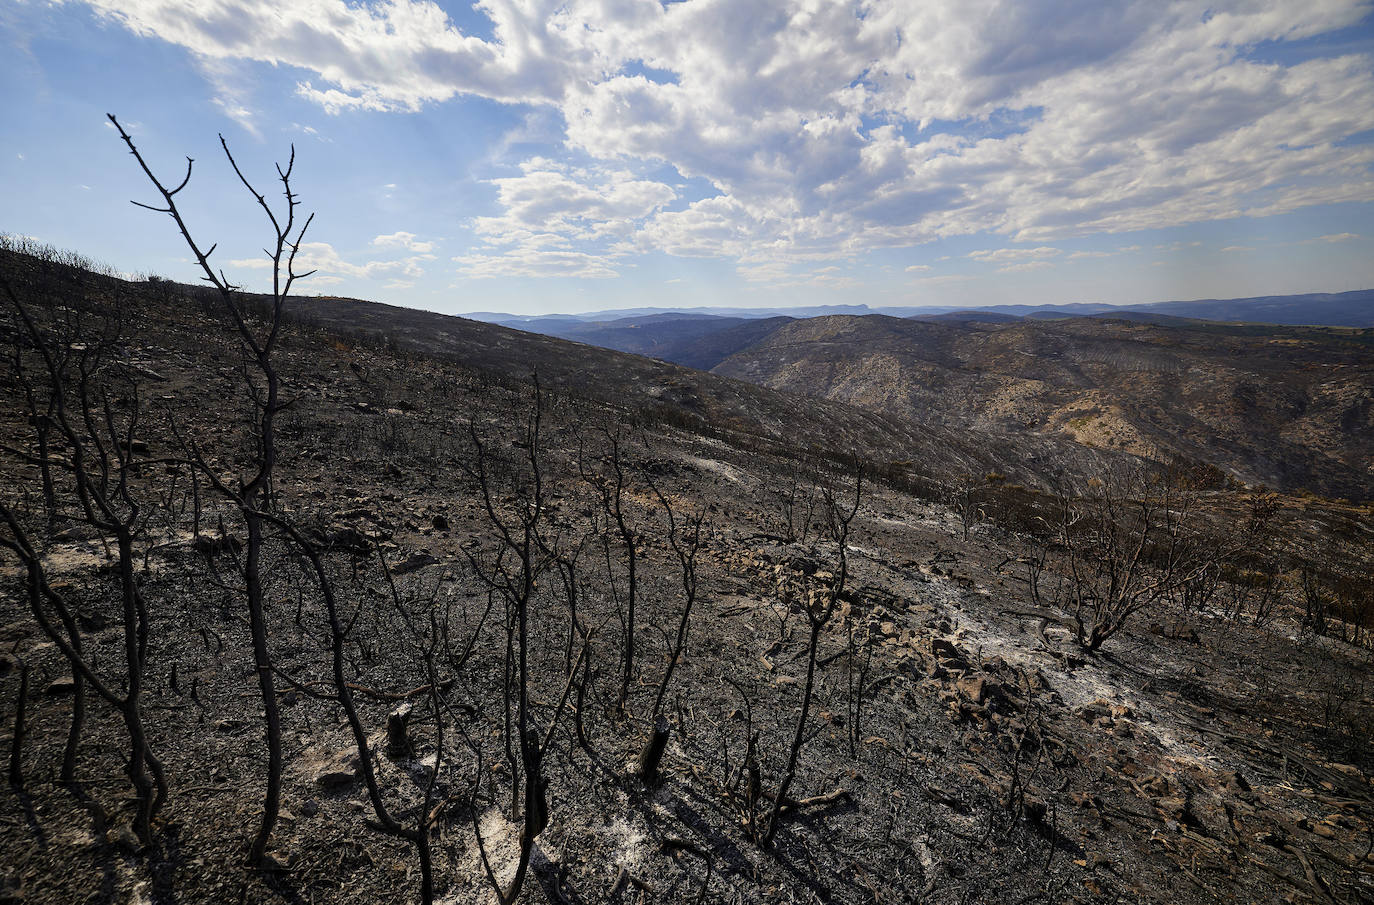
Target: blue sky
x,y
536,156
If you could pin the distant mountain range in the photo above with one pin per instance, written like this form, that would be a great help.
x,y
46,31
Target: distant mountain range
x,y
523,321
1274,390
1329,309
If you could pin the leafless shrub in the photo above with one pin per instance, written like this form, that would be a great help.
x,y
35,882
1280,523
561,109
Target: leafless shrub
x,y
511,571
83,402
817,596
251,492
609,478
684,536
1123,543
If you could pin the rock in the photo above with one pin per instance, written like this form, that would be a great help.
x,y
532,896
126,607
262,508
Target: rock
x,y
274,862
227,725
440,523
64,685
310,807
333,771
975,688
1098,713
414,563
77,533
948,654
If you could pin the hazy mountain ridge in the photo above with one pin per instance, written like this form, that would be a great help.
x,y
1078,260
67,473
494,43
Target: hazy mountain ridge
x,y
1289,407
1332,309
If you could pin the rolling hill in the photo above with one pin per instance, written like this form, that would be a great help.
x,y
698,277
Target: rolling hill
x,y
1290,407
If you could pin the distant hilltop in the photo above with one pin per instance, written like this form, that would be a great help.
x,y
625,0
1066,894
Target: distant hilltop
x,y
1324,309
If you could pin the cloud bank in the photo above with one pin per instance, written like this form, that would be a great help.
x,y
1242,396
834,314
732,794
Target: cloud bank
x,y
821,130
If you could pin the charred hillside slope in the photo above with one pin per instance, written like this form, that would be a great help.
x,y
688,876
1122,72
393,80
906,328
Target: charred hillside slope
x,y
628,633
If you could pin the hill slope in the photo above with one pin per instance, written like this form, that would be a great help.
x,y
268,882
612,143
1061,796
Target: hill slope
x,y
1290,407
717,401
952,752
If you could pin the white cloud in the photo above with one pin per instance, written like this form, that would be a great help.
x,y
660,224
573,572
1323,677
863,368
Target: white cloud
x,y
1006,255
918,268
232,90
403,240
1338,237
332,267
573,203
310,131
551,206
535,261
1014,259
829,129
1239,248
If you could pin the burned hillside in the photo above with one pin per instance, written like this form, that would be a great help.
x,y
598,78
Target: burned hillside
x,y
440,539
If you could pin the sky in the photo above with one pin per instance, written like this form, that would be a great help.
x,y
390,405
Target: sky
x,y
540,156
